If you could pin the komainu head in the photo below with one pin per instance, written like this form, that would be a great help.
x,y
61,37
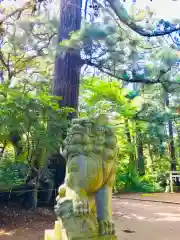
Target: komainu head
x,y
88,136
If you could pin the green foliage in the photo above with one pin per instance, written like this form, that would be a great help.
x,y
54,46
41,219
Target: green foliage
x,y
38,121
150,118
131,95
93,32
126,183
111,95
12,173
27,113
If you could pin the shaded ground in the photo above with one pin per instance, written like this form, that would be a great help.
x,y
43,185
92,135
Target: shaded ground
x,y
134,219
18,224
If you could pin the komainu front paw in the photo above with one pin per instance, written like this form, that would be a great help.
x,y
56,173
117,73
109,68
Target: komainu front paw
x,y
61,192
81,207
106,227
64,208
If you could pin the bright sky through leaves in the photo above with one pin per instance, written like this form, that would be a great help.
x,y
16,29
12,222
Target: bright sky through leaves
x,y
166,9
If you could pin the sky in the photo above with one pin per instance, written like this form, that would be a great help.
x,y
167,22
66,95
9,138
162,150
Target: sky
x,y
166,9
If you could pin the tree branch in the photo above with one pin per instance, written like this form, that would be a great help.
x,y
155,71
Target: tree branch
x,y
18,10
124,17
6,65
130,80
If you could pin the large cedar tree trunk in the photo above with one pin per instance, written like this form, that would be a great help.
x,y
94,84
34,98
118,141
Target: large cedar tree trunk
x,y
67,75
68,65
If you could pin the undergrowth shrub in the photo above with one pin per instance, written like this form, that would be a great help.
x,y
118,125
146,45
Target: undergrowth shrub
x,y
12,173
39,124
125,182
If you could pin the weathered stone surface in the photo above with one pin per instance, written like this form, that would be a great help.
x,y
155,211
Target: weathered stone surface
x,y
84,203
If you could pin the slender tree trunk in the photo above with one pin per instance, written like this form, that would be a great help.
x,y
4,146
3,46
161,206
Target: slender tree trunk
x,y
151,156
68,65
139,142
140,153
132,162
171,137
178,138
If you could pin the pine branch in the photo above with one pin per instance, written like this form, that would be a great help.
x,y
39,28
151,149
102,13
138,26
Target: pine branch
x,y
130,80
123,16
18,10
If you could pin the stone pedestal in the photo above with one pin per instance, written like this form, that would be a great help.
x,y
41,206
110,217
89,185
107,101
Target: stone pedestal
x,y
60,233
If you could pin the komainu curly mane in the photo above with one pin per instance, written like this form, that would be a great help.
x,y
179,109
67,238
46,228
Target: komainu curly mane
x,y
90,136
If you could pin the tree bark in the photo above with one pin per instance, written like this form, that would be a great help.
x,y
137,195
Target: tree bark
x,y
171,137
151,157
139,141
178,139
132,162
140,153
67,74
68,65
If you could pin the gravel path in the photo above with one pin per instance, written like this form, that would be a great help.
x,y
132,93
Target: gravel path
x,y
146,220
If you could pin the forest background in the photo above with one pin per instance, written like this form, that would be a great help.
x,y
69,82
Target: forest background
x,y
78,59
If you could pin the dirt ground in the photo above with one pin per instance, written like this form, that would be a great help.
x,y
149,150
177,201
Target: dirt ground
x,y
136,217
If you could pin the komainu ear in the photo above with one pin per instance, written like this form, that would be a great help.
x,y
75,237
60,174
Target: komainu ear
x,y
102,119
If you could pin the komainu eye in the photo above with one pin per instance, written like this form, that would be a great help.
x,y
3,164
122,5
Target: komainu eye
x,y
101,129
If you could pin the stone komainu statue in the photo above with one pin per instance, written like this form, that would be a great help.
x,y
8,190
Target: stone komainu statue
x,y
84,203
